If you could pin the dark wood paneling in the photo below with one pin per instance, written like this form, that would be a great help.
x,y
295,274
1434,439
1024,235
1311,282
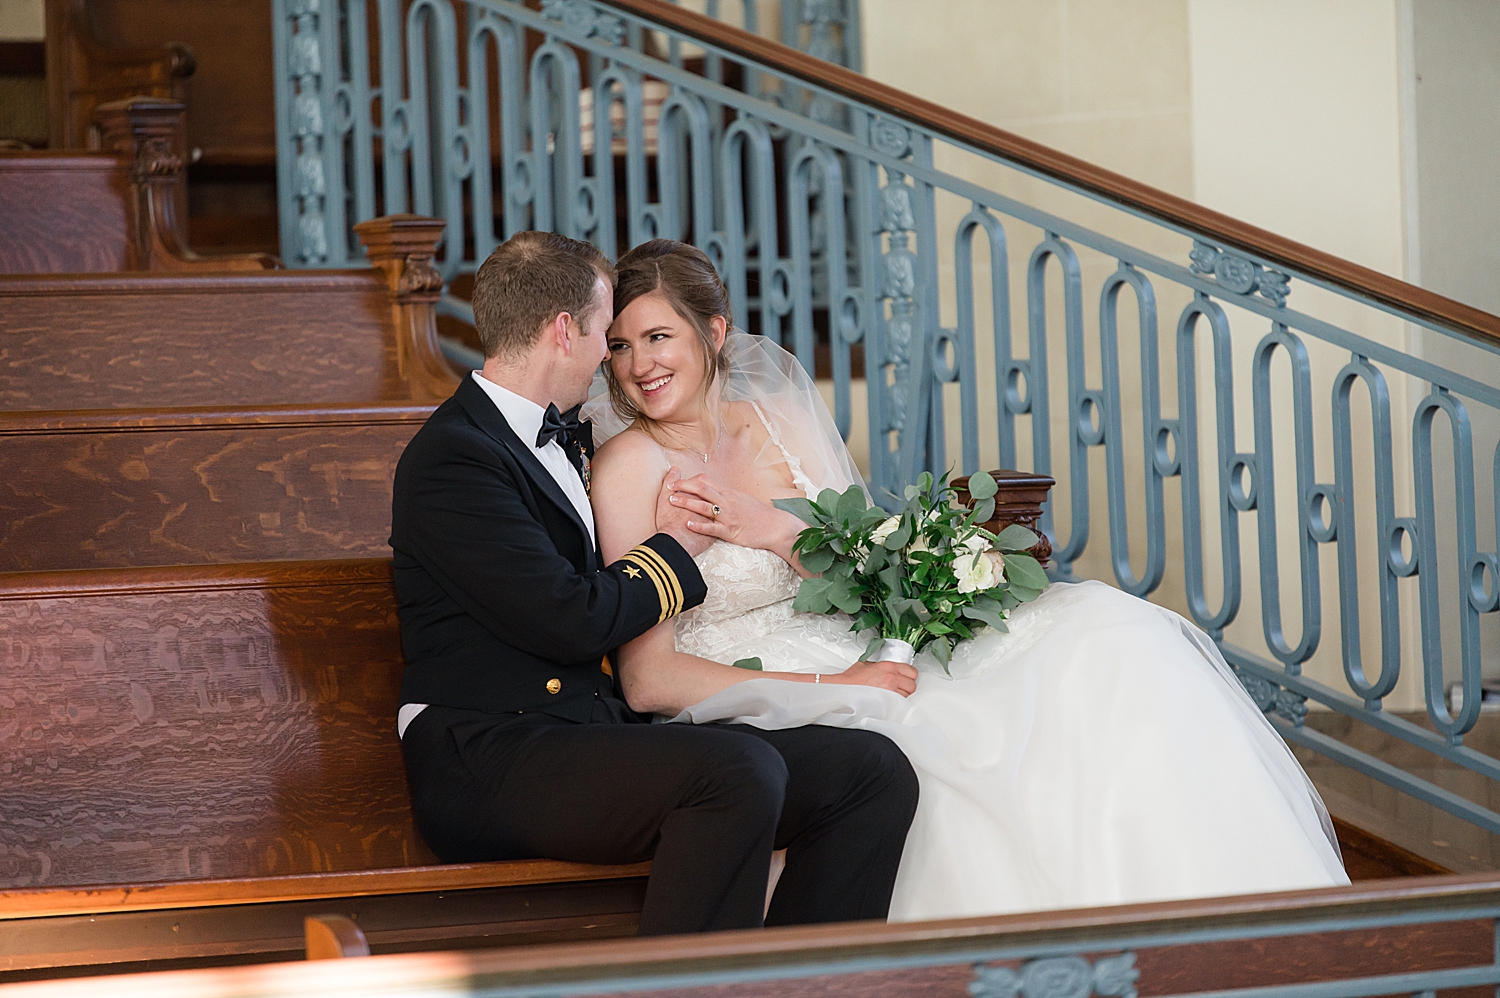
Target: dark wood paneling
x,y
63,213
231,93
92,341
180,723
198,486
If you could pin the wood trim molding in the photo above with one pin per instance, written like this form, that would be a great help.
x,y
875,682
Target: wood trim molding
x,y
91,582
253,282
1317,265
48,902
146,131
402,247
208,418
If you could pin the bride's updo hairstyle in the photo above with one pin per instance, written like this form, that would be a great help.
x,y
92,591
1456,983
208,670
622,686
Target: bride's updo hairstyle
x,y
683,276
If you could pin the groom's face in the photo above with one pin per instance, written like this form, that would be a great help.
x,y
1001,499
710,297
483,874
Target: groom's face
x,y
589,343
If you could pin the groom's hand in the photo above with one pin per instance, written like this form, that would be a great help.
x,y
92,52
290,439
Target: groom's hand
x,y
898,677
673,520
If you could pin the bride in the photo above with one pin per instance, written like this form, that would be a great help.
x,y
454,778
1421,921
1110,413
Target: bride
x,y
1101,752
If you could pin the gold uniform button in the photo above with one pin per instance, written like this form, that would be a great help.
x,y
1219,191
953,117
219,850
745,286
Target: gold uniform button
x,y
554,685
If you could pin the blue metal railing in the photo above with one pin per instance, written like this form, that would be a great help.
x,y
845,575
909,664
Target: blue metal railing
x,y
842,228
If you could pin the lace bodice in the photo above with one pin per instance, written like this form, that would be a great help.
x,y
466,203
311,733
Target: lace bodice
x,y
750,591
749,594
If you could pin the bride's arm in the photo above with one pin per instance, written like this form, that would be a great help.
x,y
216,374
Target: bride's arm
x,y
656,677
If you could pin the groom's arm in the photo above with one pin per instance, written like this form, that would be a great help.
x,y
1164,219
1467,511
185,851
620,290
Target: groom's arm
x,y
462,518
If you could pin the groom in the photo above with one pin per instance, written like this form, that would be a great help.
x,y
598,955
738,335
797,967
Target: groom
x,y
517,740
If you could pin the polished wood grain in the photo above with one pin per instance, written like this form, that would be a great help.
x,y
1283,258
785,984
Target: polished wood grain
x,y
130,487
142,131
1035,157
63,212
151,340
242,726
76,212
50,902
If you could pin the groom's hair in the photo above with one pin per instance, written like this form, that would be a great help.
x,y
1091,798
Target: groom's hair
x,y
527,281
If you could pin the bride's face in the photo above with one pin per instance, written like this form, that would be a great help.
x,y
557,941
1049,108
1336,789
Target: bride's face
x,y
656,356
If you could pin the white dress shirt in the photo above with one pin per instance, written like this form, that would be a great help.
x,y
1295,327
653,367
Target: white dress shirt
x,y
525,418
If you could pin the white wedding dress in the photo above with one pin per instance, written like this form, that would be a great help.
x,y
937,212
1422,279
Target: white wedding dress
x,y
1101,752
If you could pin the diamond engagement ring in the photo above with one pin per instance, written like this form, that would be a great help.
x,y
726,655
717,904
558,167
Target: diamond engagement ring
x,y
716,510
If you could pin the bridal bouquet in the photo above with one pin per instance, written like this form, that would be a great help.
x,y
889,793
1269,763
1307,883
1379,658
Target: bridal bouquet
x,y
928,575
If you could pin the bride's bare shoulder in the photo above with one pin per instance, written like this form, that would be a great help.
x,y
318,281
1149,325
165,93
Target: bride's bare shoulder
x,y
627,462
630,447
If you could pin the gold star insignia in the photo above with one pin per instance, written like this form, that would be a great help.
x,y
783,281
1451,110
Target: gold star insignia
x,y
632,571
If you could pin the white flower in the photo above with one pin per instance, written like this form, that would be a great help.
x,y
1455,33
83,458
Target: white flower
x,y
886,529
997,562
975,571
976,542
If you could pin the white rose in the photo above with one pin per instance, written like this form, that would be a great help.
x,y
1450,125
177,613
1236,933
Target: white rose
x,y
976,542
975,572
886,529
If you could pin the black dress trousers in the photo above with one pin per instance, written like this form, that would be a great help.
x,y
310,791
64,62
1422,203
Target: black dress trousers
x,y
705,803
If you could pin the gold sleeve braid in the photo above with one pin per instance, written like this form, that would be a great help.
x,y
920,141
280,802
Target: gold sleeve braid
x,y
668,589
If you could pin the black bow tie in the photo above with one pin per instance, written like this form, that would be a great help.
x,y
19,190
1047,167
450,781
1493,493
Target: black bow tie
x,y
574,435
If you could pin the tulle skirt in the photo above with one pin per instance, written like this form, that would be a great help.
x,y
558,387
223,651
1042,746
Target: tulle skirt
x,y
1099,753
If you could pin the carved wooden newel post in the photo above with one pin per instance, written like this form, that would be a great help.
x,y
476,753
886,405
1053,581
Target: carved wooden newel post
x,y
1019,501
402,246
146,131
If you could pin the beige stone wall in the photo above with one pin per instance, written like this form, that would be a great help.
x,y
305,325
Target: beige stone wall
x,y
1108,82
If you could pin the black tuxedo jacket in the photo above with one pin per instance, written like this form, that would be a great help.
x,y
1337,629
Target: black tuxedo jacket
x,y
503,603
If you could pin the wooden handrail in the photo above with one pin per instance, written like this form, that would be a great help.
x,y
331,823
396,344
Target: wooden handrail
x,y
48,902
1418,303
594,967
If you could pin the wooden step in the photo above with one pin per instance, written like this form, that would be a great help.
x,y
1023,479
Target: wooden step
x,y
198,486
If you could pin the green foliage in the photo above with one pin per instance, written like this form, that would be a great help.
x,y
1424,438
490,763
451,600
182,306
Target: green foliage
x,y
753,664
899,573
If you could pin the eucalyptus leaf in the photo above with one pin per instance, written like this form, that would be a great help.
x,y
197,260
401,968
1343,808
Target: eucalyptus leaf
x,y
982,486
828,501
802,509
818,561
812,596
924,482
842,595
983,510
1016,538
876,560
872,648
912,492
890,577
900,607
985,614
1022,570
942,651
753,664
851,505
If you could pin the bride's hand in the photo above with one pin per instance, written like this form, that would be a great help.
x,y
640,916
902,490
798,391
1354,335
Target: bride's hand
x,y
896,676
740,518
